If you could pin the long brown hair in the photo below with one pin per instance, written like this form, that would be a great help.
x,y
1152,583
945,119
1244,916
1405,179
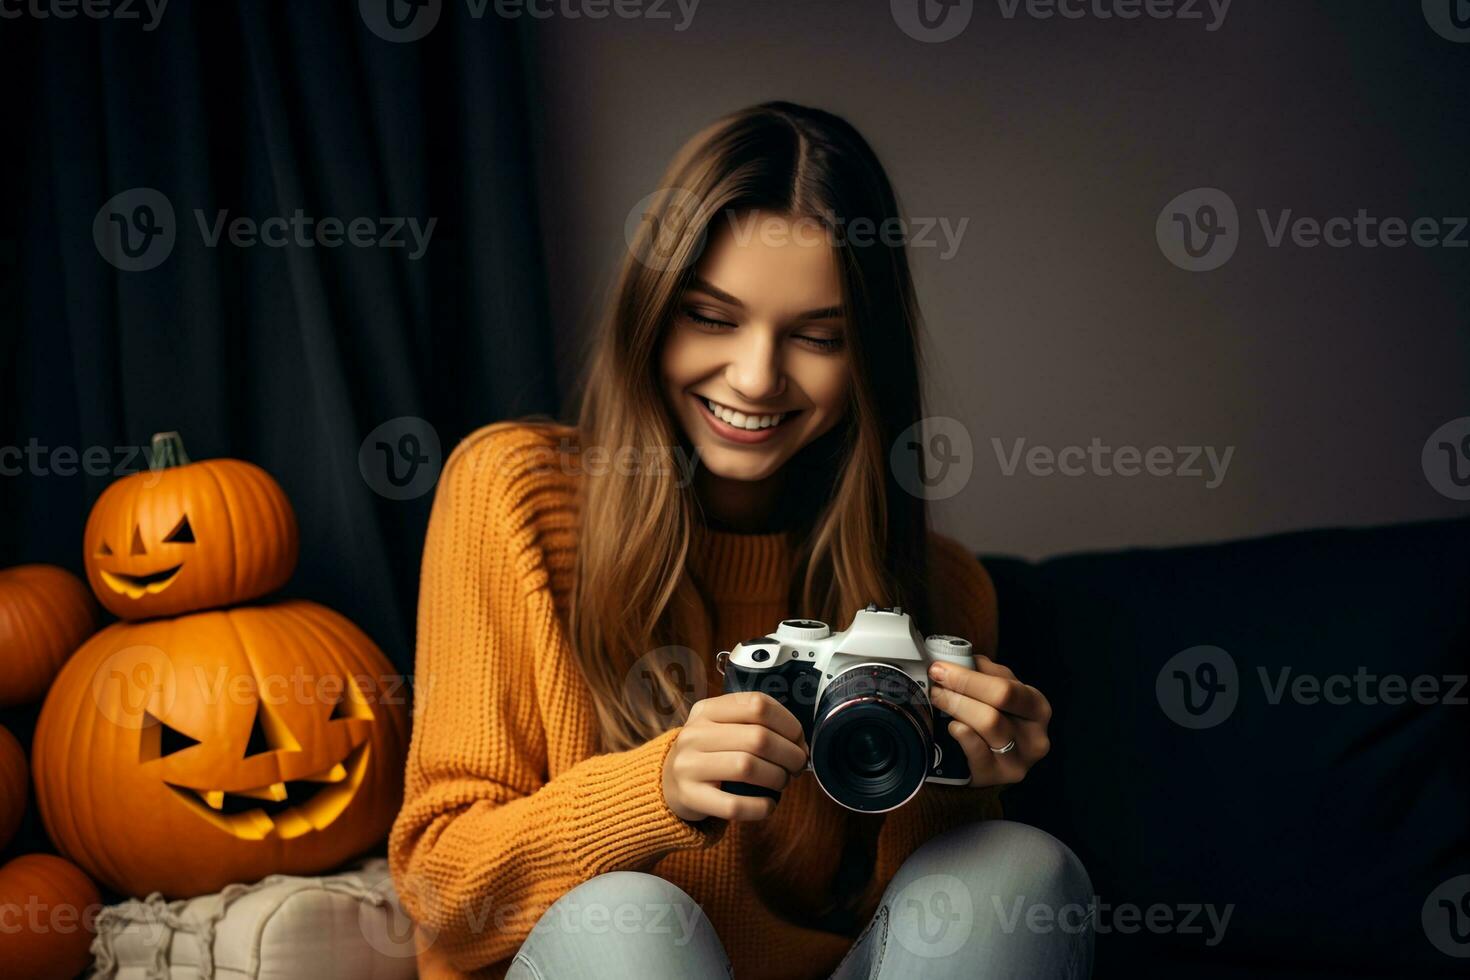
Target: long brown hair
x,y
858,536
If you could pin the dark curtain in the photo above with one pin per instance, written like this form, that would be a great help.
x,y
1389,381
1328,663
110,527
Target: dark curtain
x,y
286,355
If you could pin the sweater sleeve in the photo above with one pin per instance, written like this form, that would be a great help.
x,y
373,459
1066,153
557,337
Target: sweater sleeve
x,y
485,841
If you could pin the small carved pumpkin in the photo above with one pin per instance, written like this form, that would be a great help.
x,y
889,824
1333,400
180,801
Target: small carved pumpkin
x,y
45,613
188,536
55,907
15,782
179,755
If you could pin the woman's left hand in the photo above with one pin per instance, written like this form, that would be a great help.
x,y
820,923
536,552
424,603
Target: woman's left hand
x,y
990,708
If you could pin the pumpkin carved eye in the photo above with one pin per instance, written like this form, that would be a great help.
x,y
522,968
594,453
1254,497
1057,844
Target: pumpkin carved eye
x,y
340,710
181,534
269,734
172,740
106,549
160,739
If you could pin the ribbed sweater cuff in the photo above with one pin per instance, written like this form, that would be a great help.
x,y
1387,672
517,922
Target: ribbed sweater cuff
x,y
620,817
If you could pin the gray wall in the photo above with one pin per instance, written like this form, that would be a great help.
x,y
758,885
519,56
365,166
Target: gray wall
x,y
1059,319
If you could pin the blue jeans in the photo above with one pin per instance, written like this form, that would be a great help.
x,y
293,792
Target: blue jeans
x,y
992,899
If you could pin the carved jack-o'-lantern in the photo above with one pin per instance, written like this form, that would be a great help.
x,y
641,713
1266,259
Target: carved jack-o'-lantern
x,y
179,755
186,536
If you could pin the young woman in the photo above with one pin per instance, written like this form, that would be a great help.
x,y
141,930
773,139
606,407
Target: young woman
x,y
730,467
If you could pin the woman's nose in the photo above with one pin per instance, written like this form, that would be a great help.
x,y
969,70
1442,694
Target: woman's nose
x,y
755,372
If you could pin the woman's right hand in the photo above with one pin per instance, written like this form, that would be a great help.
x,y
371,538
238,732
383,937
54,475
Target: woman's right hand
x,y
748,737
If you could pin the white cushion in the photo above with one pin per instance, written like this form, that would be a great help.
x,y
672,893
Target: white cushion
x,y
343,925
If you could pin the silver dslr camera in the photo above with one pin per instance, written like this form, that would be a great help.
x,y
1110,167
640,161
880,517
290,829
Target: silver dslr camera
x,y
862,697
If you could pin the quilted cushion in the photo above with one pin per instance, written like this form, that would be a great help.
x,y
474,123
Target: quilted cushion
x,y
343,925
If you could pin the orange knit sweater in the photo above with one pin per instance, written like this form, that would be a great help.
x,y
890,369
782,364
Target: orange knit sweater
x,y
508,802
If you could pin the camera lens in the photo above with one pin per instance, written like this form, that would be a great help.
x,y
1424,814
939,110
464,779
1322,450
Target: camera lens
x,y
871,738
869,751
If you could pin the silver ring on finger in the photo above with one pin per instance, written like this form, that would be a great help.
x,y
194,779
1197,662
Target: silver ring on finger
x,y
1004,748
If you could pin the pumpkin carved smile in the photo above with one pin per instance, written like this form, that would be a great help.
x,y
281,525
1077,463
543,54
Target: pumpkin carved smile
x,y
287,809
137,586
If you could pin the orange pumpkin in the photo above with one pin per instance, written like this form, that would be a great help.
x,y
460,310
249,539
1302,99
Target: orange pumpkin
x,y
185,536
179,755
55,907
15,783
45,613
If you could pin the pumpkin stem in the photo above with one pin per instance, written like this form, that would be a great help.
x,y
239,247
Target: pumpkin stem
x,y
168,450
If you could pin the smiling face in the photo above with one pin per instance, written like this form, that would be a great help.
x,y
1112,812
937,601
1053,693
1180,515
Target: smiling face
x,y
755,364
190,537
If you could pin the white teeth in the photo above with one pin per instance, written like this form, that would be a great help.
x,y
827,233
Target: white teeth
x,y
742,421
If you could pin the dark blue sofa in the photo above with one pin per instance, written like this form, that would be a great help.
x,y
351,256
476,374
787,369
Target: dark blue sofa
x,y
1331,821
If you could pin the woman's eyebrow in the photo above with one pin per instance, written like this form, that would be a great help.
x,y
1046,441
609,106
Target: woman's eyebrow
x,y
705,286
